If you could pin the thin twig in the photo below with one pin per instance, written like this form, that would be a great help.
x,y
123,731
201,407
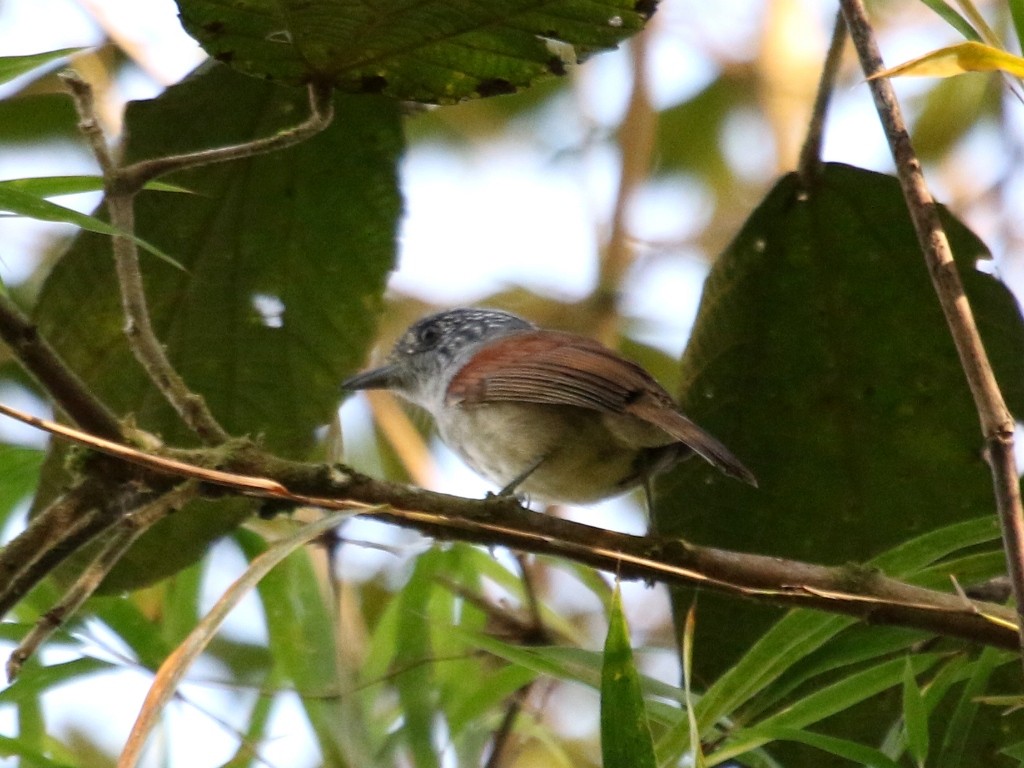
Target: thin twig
x,y
321,107
121,185
503,734
44,364
997,423
809,166
129,527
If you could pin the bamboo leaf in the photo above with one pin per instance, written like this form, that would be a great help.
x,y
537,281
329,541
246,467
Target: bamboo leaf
x,y
625,732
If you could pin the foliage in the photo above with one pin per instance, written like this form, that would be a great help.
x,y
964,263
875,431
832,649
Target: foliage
x,y
819,355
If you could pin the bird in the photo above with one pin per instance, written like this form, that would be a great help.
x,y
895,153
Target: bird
x,y
551,415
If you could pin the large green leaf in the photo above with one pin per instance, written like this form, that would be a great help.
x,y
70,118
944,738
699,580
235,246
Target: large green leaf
x,y
821,357
286,254
434,51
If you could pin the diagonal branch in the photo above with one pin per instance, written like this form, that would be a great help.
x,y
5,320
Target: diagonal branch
x,y
997,423
42,361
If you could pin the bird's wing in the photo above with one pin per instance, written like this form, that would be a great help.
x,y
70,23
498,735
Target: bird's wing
x,y
554,368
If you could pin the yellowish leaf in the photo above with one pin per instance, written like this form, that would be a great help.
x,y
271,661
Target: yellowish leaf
x,y
956,60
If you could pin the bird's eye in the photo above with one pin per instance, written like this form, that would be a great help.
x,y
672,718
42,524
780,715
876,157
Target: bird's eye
x,y
428,336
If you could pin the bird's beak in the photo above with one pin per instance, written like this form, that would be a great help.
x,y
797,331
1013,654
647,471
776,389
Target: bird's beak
x,y
385,377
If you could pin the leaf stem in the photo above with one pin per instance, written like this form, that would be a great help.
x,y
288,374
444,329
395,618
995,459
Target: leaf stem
x,y
997,423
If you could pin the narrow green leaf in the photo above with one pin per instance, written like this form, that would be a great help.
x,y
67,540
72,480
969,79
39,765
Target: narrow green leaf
x,y
1016,751
15,66
173,670
53,186
915,716
908,558
824,702
952,17
791,639
696,748
41,679
958,726
31,206
1017,12
859,754
416,690
29,758
625,733
304,647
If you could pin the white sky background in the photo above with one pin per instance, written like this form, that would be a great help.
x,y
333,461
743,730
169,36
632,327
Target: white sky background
x,y
457,244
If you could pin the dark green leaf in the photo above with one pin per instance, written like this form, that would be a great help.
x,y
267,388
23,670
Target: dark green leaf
x,y
625,732
858,754
820,356
824,702
958,726
15,66
915,716
433,51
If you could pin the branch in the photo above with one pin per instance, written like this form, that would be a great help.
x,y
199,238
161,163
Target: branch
x,y
51,536
809,166
997,423
129,527
321,114
44,364
854,591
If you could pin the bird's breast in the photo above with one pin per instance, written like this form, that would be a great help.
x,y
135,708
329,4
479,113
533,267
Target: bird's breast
x,y
584,455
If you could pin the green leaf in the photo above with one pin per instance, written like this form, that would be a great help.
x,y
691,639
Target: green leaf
x,y
19,468
15,66
958,726
858,754
625,732
952,17
1017,13
915,716
29,758
52,186
42,679
415,680
430,51
823,702
31,206
287,256
304,647
850,405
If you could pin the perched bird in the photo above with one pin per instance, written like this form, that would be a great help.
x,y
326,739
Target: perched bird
x,y
554,415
